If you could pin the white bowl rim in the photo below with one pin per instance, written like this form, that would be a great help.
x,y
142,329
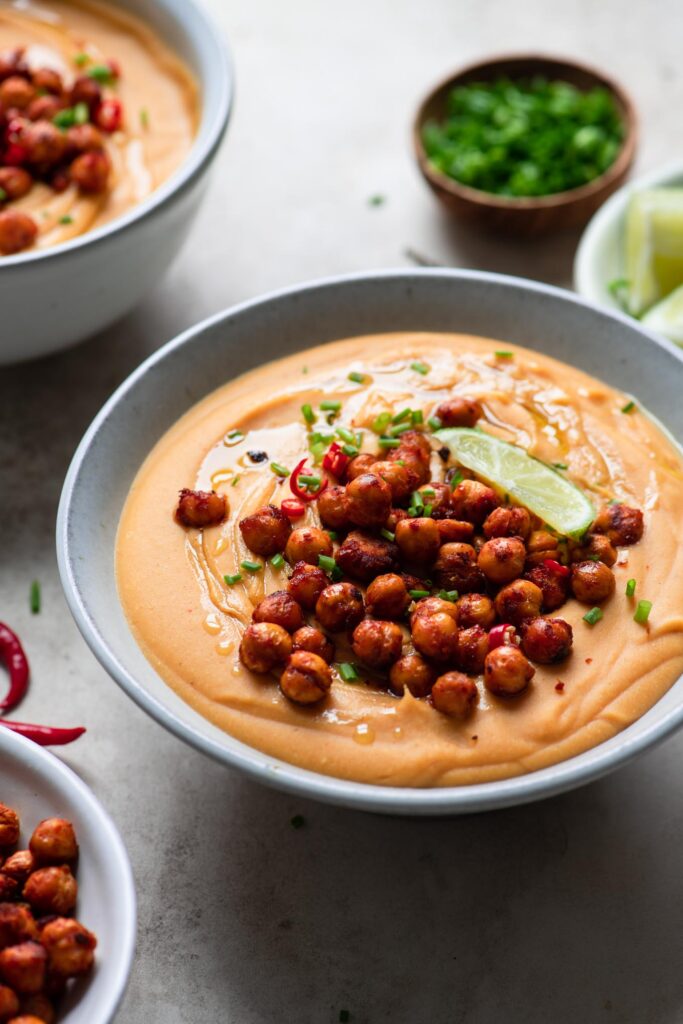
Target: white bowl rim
x,y
43,763
270,771
204,145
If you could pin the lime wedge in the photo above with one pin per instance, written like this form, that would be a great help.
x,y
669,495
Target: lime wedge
x,y
654,246
667,316
531,483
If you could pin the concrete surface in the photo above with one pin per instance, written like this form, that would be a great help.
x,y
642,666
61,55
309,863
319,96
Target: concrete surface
x,y
564,912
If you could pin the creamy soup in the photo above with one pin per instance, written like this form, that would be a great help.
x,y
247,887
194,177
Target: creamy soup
x,y
189,622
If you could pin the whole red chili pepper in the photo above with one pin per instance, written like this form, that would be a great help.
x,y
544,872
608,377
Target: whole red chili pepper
x,y
43,735
556,567
294,484
12,653
336,461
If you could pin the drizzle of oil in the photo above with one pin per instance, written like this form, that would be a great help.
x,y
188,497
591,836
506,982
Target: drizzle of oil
x,y
364,734
212,624
224,647
221,476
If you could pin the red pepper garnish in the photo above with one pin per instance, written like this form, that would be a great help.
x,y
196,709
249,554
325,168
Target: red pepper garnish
x,y
336,461
109,115
15,155
505,633
43,735
556,567
292,508
114,67
297,490
12,653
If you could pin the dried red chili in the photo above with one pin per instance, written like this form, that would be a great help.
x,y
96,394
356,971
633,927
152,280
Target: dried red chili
x,y
336,461
292,508
304,495
556,567
12,653
44,735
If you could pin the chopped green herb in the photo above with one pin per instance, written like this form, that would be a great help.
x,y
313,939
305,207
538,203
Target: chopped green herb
x,y
144,117
327,563
629,407
376,200
427,492
65,118
434,422
421,368
280,470
643,609
332,534
298,821
416,416
81,113
614,501
346,435
592,558
235,435
401,416
66,219
351,450
251,566
399,429
448,595
235,480
417,594
630,588
348,672
560,465
307,413
503,354
308,480
277,561
3,195
102,73
330,405
304,369
233,579
428,511
317,450
34,597
456,479
356,377
400,462
81,59
416,501
388,535
381,422
388,442
593,616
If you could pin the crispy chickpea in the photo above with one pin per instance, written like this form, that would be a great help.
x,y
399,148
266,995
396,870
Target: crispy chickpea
x,y
412,673
459,412
621,524
506,671
333,508
592,582
280,608
25,1019
438,497
475,610
12,63
200,508
369,500
265,532
387,597
90,171
306,544
308,638
83,138
52,890
15,182
360,464
453,531
17,924
264,646
394,518
17,231
508,521
54,842
546,640
501,559
435,636
473,646
48,80
19,865
541,545
396,476
456,568
70,947
85,90
44,108
23,967
598,547
376,643
339,607
9,827
306,678
474,501
519,600
38,1007
364,557
432,605
415,453
553,582
418,540
306,584
44,143
16,92
9,1002
9,887
455,694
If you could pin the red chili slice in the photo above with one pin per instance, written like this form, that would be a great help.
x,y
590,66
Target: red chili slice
x,y
109,115
292,508
15,155
336,461
556,567
304,495
12,653
44,735
505,633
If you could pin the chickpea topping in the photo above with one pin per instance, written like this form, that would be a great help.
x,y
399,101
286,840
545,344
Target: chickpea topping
x,y
266,531
308,638
52,890
455,694
17,231
19,865
541,545
306,584
473,646
438,495
91,170
36,1008
85,90
280,608
9,1002
412,673
592,582
54,842
415,453
15,182
16,92
546,640
307,544
9,827
376,643
387,597
23,967
435,636
622,524
553,585
456,569
333,508
369,499
475,610
519,600
508,521
597,546
17,924
70,947
360,464
501,559
339,607
474,501
198,509
396,476
264,646
455,530
9,887
364,557
47,79
506,671
306,679
459,412
432,606
418,540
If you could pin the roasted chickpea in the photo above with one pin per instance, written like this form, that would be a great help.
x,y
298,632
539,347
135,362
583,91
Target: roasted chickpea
x,y
437,497
459,412
37,1007
414,452
17,924
44,143
369,500
9,827
501,559
435,636
541,545
592,582
418,540
16,92
377,644
333,508
44,108
52,890
396,476
280,608
508,521
25,1019
54,842
308,638
200,508
546,640
85,90
48,80
474,501
264,646
307,544
15,182
17,231
519,600
598,547
84,138
432,605
306,584
265,532
339,607
456,568
473,646
387,597
554,584
19,865
12,63
506,671
9,1002
394,518
70,947
91,170
364,557
360,464
9,887
452,531
621,524
455,694
412,673
475,610
23,967
306,679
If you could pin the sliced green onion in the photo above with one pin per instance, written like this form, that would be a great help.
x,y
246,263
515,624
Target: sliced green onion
x,y
630,588
3,195
643,610
416,416
381,422
235,435
81,113
317,450
401,428
356,377
66,219
34,597
427,492
427,511
232,580
387,534
307,413
417,594
448,595
593,616
144,117
420,368
629,407
251,566
309,481
277,561
503,354
332,534
330,405
235,480
81,59
101,73
400,417
560,465
416,501
351,450
327,563
280,470
388,442
434,422
348,672
456,479
346,435
298,821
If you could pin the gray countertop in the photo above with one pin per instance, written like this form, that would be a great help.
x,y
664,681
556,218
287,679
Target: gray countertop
x,y
562,912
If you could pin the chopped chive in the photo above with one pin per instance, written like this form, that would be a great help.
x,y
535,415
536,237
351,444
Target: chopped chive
x,y
101,73
309,481
388,535
643,609
456,479
434,422
231,580
81,113
235,435
66,219
235,480
448,595
280,470
560,465
344,1017
428,511
629,407
388,442
348,672
417,594
277,561
351,450
381,422
317,450
307,413
3,195
251,566
401,428
427,492
614,501
81,59
327,563
420,368
400,462
593,616
298,821
144,117
34,597
356,377
416,500
330,405
416,416
405,414
503,354
346,435
630,588
332,534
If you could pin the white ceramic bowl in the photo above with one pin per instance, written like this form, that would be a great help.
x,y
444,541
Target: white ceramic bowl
x,y
600,256
178,375
38,785
52,298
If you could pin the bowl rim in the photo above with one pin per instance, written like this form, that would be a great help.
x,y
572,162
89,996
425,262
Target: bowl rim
x,y
204,145
271,771
554,200
42,763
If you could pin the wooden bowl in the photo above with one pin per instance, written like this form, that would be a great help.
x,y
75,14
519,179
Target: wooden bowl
x,y
531,215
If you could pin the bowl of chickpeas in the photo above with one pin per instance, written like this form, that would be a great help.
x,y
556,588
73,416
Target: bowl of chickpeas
x,y
67,897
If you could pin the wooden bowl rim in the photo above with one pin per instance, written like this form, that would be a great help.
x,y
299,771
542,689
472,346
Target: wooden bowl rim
x,y
481,198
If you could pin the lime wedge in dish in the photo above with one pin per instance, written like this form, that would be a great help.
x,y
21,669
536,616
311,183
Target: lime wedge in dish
x,y
530,482
654,246
667,316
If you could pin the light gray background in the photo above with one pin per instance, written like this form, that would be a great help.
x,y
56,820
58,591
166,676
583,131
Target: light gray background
x,y
563,912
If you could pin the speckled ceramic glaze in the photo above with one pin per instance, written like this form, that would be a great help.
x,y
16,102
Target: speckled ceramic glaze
x,y
171,381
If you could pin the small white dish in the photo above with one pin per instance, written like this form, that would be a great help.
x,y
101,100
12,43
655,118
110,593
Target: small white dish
x,y
600,255
38,785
